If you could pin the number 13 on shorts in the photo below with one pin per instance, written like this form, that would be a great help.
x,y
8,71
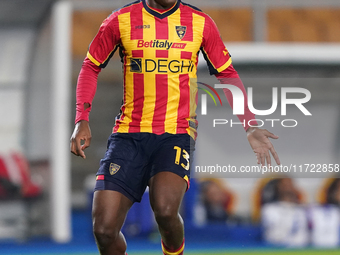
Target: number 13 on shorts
x,y
185,155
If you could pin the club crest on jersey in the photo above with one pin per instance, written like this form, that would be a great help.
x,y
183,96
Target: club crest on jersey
x,y
181,30
114,168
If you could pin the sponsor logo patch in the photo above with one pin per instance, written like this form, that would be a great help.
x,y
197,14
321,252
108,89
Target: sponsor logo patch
x,y
142,27
136,65
160,44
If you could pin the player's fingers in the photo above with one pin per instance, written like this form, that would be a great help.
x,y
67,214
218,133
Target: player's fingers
x,y
79,150
275,156
263,159
268,159
73,146
258,158
86,143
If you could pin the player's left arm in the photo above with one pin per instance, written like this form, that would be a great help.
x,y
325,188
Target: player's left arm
x,y
220,64
257,138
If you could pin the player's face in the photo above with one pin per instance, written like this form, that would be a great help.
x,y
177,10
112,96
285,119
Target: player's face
x,y
161,4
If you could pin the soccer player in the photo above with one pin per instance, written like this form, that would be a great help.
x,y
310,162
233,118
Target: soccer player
x,y
153,138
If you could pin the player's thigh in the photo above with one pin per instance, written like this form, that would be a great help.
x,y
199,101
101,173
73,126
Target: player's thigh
x,y
170,172
123,168
166,191
109,211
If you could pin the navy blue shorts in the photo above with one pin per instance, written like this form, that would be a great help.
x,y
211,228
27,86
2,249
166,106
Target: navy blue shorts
x,y
132,159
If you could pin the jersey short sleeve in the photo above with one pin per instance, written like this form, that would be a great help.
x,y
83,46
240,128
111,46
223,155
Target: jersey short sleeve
x,y
213,48
105,42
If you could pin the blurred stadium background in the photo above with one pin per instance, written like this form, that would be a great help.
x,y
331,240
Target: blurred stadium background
x,y
45,194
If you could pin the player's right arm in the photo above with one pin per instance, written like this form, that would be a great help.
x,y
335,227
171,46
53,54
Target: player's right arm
x,y
100,51
86,89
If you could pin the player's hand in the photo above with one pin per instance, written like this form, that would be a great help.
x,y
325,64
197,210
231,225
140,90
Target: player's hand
x,y
261,145
81,133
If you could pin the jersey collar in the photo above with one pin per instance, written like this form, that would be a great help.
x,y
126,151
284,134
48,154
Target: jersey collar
x,y
164,14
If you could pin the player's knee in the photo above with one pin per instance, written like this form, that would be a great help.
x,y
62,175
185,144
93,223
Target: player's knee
x,y
105,235
165,214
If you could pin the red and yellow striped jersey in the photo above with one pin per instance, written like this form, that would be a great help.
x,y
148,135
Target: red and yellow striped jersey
x,y
160,54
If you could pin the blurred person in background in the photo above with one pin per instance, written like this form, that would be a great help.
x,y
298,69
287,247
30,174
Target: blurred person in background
x,y
324,218
153,137
217,201
283,216
333,192
287,192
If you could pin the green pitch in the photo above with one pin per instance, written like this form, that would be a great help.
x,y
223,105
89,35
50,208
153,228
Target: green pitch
x,y
263,252
209,252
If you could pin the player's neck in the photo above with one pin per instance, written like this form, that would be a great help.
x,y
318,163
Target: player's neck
x,y
160,7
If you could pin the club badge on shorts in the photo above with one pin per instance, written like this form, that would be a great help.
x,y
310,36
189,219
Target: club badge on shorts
x,y
114,168
181,30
